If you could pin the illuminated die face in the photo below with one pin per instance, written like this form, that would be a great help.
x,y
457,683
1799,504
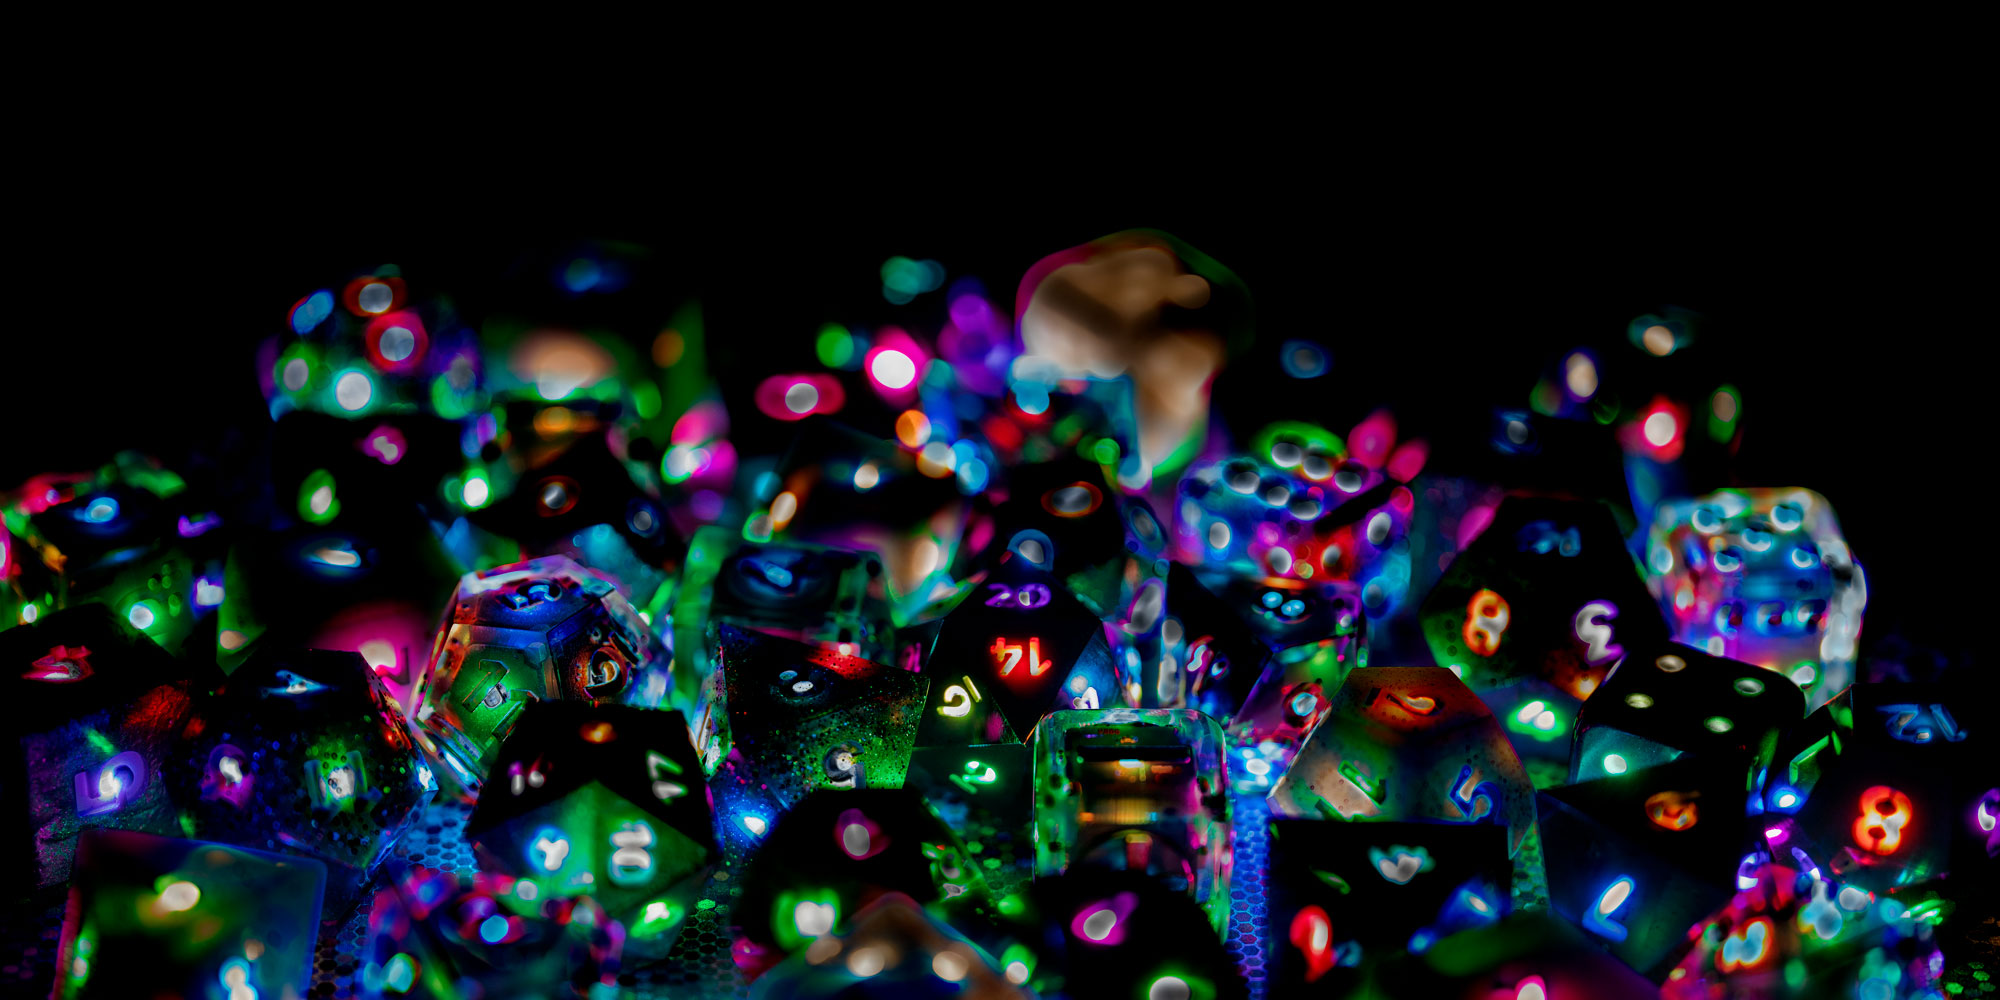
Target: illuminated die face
x,y
790,718
500,936
1135,789
1088,532
605,801
543,630
835,851
1315,633
116,545
1340,891
187,918
1408,743
1015,648
1253,519
1762,576
1547,593
303,749
1644,853
1882,787
1667,699
585,487
98,708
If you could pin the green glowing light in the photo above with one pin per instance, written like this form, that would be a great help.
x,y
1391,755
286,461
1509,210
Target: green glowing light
x,y
835,346
1106,452
318,502
657,918
477,491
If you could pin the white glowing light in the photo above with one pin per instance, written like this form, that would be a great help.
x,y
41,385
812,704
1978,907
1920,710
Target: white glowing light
x,y
476,492
950,966
854,839
865,962
1614,897
866,477
1098,925
893,369
321,500
801,397
179,896
1017,972
296,371
380,655
754,824
813,919
1580,373
353,391
375,297
1661,428
1614,763
397,343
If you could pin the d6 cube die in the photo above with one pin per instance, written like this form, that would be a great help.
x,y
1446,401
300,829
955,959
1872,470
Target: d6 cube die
x,y
1664,700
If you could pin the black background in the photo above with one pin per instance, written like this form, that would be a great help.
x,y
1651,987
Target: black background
x,y
1850,325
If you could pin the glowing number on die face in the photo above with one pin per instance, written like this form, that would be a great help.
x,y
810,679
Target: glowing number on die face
x,y
1746,947
1600,650
1885,817
1913,723
1088,699
1486,617
548,850
959,699
1009,656
110,786
336,787
1031,595
533,592
1474,798
658,767
1312,933
631,863
1609,902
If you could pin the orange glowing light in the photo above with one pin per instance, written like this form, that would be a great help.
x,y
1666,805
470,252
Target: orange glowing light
x,y
1673,810
1009,656
1885,817
1486,617
599,732
913,428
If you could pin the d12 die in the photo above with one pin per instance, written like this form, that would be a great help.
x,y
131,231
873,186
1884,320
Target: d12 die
x,y
1882,787
303,752
1636,857
1016,647
1762,576
832,853
543,630
98,706
604,801
437,935
1408,743
794,717
154,914
1547,593
1144,790
1342,894
1667,699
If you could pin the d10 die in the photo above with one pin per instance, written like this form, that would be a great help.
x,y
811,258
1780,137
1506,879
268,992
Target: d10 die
x,y
1134,789
543,630
1346,894
1016,647
1668,699
302,752
604,801
1762,576
1408,743
151,915
98,706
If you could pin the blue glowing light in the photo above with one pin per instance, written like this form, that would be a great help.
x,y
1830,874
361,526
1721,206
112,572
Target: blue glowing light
x,y
312,311
1303,359
102,510
1614,898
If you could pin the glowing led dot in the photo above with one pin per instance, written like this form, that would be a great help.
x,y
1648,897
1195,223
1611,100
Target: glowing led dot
x,y
1718,724
866,477
950,966
397,343
231,639
493,929
937,460
179,896
141,615
1169,988
1532,988
1098,925
375,297
1660,429
296,372
476,491
1614,897
320,500
1787,799
29,613
865,962
1017,972
813,919
1853,899
893,369
913,428
1671,663
400,973
1748,686
353,391
1218,535
854,839
801,397
1580,374
1257,765
1614,764
1804,674
1545,721
1723,405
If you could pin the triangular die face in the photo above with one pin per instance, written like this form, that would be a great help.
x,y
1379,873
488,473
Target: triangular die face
x,y
1025,642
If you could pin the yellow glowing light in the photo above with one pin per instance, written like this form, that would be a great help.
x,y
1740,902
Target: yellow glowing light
x,y
867,476
231,639
950,966
179,896
865,962
1659,341
937,460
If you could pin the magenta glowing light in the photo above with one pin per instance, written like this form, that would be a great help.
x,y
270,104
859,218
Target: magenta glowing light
x,y
796,397
385,444
1103,922
859,837
895,363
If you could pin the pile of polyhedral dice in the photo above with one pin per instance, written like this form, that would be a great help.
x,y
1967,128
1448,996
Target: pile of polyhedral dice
x,y
535,654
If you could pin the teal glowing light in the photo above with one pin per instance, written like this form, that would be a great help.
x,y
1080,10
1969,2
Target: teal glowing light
x,y
493,929
102,510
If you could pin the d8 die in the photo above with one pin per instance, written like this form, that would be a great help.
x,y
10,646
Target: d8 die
x,y
303,752
546,629
605,801
1541,604
98,706
1408,743
1635,857
442,936
1668,699
793,718
1144,790
1343,894
1762,576
1016,647
151,915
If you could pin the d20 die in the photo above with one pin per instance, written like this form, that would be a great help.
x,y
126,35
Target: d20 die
x,y
794,717
1343,894
1635,857
302,752
1408,743
543,630
1016,647
1667,699
605,801
442,936
1144,790
1762,576
154,914
1068,504
834,852
1547,592
1883,786
98,707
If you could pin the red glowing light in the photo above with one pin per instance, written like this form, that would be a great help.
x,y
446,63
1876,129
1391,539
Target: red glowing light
x,y
1312,932
1009,656
396,341
1673,810
1885,817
